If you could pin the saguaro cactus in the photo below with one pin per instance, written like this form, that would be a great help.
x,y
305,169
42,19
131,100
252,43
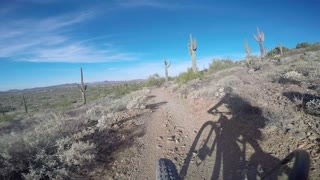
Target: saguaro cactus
x,y
166,67
246,48
249,60
25,104
280,47
2,110
82,88
192,51
260,38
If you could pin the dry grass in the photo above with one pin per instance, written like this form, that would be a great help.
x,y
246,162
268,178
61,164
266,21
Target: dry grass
x,y
60,145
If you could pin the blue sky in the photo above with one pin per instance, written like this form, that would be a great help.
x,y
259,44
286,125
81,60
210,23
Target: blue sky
x,y
45,42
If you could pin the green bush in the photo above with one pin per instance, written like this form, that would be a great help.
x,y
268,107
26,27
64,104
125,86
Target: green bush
x,y
302,45
154,80
185,77
220,64
253,63
7,119
120,90
276,51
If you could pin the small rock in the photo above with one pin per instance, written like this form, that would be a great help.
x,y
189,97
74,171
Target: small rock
x,y
116,126
251,71
290,126
312,137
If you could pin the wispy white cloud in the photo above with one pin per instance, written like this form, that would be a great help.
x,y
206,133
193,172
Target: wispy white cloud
x,y
50,40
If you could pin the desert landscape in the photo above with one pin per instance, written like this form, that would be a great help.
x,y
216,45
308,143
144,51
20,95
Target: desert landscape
x,y
159,90
233,120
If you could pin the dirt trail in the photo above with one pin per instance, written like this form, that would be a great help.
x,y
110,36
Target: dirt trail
x,y
202,143
170,132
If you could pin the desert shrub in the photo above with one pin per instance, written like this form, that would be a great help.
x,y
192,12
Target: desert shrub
x,y
276,51
154,80
253,63
7,118
34,153
185,77
134,99
121,90
313,107
75,154
302,45
220,64
289,77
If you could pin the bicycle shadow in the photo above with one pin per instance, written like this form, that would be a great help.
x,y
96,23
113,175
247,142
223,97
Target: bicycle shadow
x,y
227,142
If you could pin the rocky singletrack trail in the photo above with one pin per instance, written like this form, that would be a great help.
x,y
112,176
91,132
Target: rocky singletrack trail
x,y
170,131
202,144
226,138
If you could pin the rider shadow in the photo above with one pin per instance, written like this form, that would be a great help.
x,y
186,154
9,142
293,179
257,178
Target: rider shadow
x,y
229,139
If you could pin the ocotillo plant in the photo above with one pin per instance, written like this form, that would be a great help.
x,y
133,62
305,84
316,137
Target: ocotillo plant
x,y
260,38
280,47
25,104
192,51
82,88
166,67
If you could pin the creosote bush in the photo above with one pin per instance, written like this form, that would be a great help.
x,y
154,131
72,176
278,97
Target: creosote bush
x,y
220,64
185,77
253,63
32,153
155,80
276,51
303,45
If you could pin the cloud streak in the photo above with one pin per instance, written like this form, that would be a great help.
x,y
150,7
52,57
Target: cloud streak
x,y
50,40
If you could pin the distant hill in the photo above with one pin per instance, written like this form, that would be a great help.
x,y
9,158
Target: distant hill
x,y
72,85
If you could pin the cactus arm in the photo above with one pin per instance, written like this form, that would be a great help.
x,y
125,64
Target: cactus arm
x,y
256,38
260,38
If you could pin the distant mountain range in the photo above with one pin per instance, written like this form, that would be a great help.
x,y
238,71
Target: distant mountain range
x,y
72,85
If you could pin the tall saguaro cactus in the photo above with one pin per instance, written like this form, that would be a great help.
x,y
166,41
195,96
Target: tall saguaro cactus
x,y
2,110
280,47
25,104
82,88
192,51
260,38
166,67
246,48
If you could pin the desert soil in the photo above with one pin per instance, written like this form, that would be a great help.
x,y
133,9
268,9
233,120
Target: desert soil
x,y
203,144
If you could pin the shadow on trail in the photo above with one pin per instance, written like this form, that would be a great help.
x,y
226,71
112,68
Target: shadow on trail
x,y
155,105
226,143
